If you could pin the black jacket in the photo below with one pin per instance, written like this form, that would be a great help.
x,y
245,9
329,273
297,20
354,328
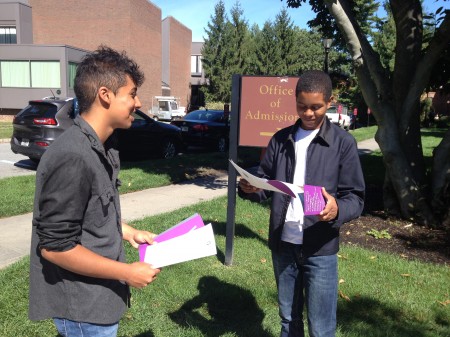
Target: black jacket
x,y
332,162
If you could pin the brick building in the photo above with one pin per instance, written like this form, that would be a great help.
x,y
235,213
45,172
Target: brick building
x,y
162,48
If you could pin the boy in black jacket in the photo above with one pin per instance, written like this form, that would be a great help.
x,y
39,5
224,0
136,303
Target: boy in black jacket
x,y
304,248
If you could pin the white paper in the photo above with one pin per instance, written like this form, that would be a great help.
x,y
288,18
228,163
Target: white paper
x,y
196,244
264,183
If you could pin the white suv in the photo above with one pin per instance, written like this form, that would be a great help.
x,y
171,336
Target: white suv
x,y
340,118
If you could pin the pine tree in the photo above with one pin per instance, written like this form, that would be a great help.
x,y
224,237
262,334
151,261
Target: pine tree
x,y
214,53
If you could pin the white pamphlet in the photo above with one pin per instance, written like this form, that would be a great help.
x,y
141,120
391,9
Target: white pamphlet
x,y
195,244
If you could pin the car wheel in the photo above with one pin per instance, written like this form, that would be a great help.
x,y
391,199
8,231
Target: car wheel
x,y
222,144
169,149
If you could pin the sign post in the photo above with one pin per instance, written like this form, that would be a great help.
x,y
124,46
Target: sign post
x,y
233,146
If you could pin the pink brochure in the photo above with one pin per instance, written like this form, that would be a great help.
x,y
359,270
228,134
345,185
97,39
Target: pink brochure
x,y
314,201
185,226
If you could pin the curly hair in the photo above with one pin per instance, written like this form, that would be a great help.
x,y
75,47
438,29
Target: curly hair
x,y
314,81
104,67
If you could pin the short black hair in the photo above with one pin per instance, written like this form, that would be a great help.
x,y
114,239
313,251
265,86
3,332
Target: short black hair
x,y
314,81
105,67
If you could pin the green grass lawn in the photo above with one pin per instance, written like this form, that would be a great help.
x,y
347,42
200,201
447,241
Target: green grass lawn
x,y
135,176
6,130
380,294
364,133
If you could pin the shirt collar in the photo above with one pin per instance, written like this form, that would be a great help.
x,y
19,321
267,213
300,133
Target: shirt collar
x,y
325,131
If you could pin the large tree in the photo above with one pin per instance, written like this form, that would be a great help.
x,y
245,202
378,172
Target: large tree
x,y
394,99
215,54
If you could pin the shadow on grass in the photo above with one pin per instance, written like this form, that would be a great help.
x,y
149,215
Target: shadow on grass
x,y
240,230
185,167
221,308
368,317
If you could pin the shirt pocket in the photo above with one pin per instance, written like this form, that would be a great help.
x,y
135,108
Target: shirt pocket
x,y
101,209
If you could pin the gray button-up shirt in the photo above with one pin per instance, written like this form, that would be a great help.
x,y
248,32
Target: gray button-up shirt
x,y
77,202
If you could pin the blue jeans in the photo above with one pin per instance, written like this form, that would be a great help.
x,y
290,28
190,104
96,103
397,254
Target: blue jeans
x,y
305,280
68,328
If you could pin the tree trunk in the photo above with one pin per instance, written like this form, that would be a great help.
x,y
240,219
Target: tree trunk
x,y
440,177
395,107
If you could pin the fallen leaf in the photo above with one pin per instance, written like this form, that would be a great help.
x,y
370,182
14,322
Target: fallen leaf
x,y
341,281
263,260
373,257
444,303
343,296
348,233
342,257
404,255
129,184
405,275
408,225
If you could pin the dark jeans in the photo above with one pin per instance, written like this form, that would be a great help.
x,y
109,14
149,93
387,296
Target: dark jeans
x,y
305,280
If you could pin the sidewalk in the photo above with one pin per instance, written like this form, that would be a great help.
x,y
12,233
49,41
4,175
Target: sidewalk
x,y
15,232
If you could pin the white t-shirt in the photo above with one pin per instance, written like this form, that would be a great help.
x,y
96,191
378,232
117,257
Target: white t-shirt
x,y
293,226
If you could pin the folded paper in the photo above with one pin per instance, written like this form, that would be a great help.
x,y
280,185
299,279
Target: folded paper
x,y
185,241
313,200
270,185
196,244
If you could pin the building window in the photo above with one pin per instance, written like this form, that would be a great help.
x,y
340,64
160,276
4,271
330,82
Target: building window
x,y
196,65
72,73
15,74
8,35
30,74
45,74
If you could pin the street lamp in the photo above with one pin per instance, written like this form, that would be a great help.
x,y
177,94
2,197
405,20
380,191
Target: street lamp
x,y
326,46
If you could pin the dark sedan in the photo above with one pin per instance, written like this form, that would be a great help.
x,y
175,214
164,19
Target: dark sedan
x,y
148,138
209,128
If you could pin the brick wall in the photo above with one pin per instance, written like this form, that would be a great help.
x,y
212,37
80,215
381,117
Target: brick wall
x,y
130,25
180,38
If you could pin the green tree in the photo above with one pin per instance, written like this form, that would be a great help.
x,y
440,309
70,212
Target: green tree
x,y
214,55
310,52
395,104
239,46
288,62
267,54
225,51
384,40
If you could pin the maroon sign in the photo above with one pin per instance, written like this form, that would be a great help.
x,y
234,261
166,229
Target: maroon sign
x,y
267,105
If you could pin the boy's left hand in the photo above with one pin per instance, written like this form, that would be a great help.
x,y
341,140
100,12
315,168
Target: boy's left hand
x,y
139,237
330,211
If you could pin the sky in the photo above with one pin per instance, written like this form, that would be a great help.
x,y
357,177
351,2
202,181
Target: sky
x,y
195,14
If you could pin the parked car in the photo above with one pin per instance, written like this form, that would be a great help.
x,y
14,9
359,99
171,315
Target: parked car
x,y
340,118
209,128
42,121
39,124
148,138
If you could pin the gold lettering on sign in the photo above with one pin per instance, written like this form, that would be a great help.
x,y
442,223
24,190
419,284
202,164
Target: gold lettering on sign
x,y
275,90
271,116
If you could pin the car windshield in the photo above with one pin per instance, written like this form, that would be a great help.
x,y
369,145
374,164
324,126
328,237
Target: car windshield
x,y
205,115
41,110
332,110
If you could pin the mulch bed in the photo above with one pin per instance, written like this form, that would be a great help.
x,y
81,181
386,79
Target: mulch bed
x,y
408,240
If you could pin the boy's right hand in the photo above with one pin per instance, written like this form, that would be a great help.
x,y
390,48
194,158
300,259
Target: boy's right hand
x,y
141,274
246,187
